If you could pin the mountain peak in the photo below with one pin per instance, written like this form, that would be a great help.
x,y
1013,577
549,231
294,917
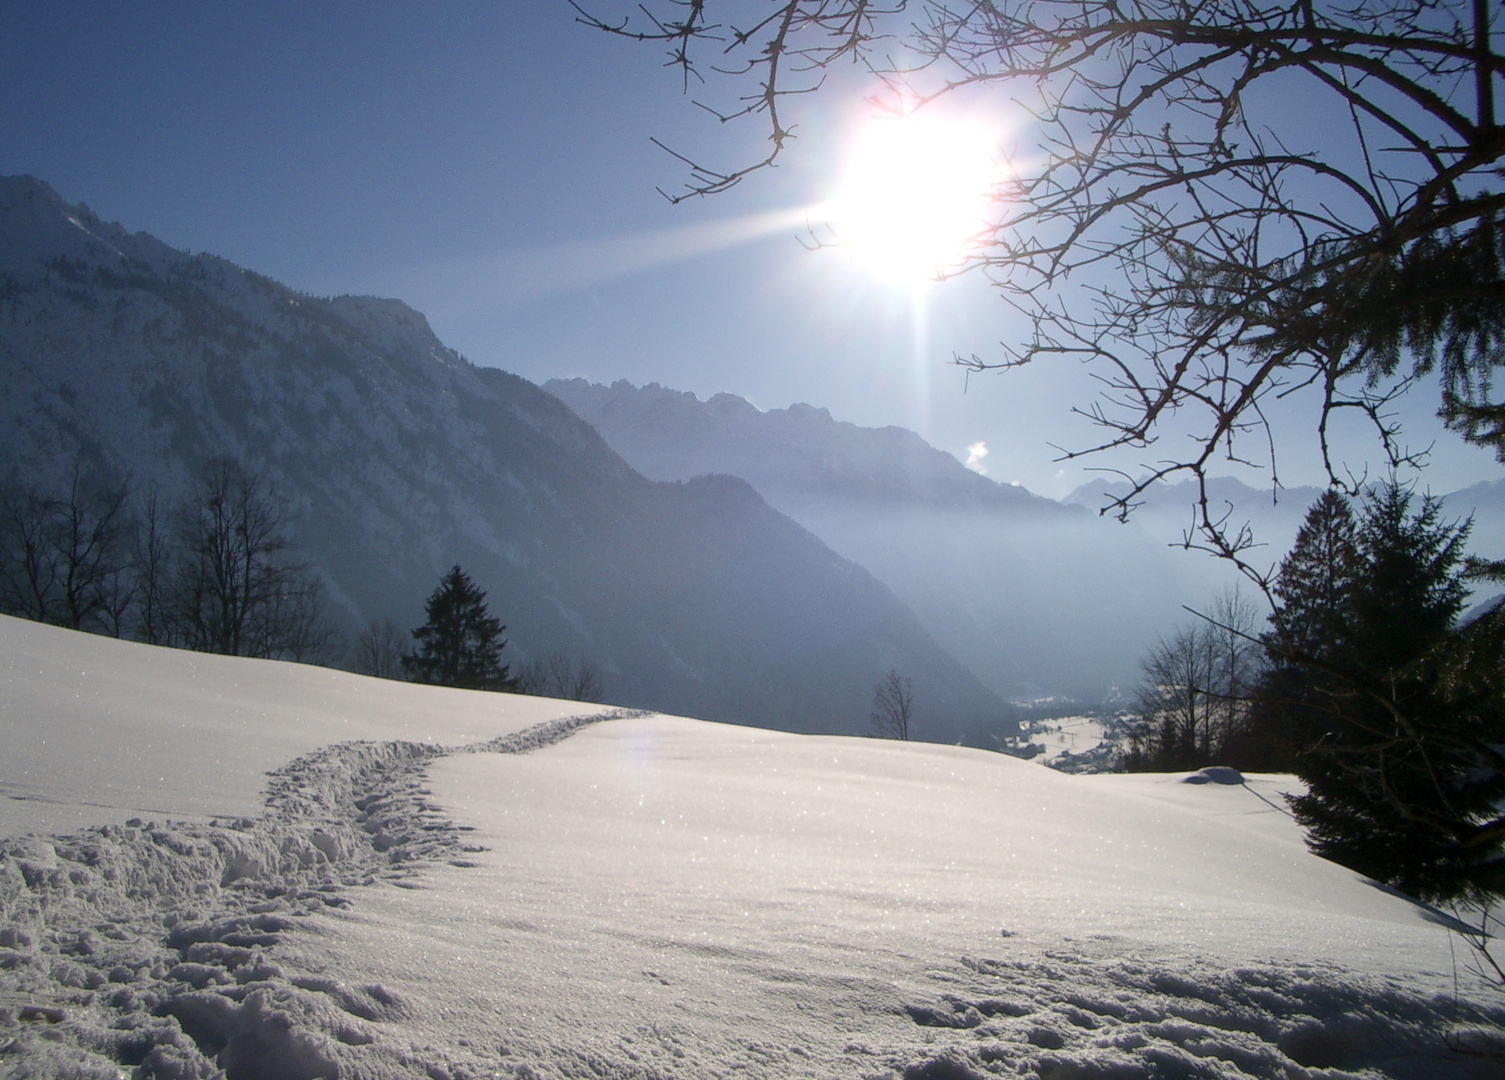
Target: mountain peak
x,y
39,227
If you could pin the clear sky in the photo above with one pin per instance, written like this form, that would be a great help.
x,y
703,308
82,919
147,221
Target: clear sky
x,y
491,164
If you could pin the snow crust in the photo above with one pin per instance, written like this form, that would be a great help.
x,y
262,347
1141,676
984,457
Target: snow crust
x,y
610,894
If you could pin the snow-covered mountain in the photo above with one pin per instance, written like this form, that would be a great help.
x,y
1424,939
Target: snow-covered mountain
x,y
400,458
1037,597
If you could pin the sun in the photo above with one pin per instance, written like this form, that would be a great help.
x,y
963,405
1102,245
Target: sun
x,y
915,195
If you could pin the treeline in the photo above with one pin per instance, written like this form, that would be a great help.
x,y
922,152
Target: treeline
x,y
1193,694
1365,683
214,573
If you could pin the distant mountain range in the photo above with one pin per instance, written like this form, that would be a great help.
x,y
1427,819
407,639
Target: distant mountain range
x,y
1038,597
790,455
712,558
400,458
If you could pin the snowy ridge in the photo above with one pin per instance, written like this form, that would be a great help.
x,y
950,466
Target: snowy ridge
x,y
658,897
785,453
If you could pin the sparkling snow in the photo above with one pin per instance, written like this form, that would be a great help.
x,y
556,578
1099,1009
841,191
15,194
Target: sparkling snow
x,y
97,731
513,893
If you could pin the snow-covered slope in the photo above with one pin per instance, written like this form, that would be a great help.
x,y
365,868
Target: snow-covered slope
x,y
652,896
401,458
96,730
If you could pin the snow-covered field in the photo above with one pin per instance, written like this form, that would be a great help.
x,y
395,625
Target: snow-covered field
x,y
1076,743
498,886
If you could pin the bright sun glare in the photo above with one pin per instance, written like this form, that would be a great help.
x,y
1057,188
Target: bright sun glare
x,y
914,195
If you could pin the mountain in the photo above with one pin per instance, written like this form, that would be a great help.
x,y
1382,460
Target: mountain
x,y
1484,502
398,458
1036,596
798,453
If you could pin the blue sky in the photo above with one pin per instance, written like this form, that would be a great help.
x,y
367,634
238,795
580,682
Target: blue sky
x,y
491,164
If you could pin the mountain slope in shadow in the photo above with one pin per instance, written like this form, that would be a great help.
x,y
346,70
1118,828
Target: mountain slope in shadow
x,y
400,458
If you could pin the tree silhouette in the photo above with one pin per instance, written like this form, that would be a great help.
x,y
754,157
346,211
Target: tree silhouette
x,y
1398,742
379,650
232,587
893,705
461,643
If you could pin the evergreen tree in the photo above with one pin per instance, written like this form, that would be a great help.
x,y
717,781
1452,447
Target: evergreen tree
x,y
1397,754
461,643
1313,592
1316,581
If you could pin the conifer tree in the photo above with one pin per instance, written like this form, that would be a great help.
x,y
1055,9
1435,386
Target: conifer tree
x,y
1399,763
1316,581
461,643
1313,594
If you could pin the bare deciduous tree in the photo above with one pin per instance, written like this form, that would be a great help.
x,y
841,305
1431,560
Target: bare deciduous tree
x,y
212,576
1175,703
63,558
578,679
89,536
1233,625
29,571
152,560
1194,688
893,705
1172,217
562,676
233,589
379,650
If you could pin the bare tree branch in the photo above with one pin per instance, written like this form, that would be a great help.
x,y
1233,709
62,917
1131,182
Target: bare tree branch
x,y
1171,224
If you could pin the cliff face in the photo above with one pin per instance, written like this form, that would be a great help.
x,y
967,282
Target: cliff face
x,y
399,458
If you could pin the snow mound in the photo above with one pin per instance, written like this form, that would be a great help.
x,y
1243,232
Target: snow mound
x,y
1215,774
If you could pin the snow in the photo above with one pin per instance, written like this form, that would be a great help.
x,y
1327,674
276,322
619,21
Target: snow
x,y
503,887
97,731
1075,744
